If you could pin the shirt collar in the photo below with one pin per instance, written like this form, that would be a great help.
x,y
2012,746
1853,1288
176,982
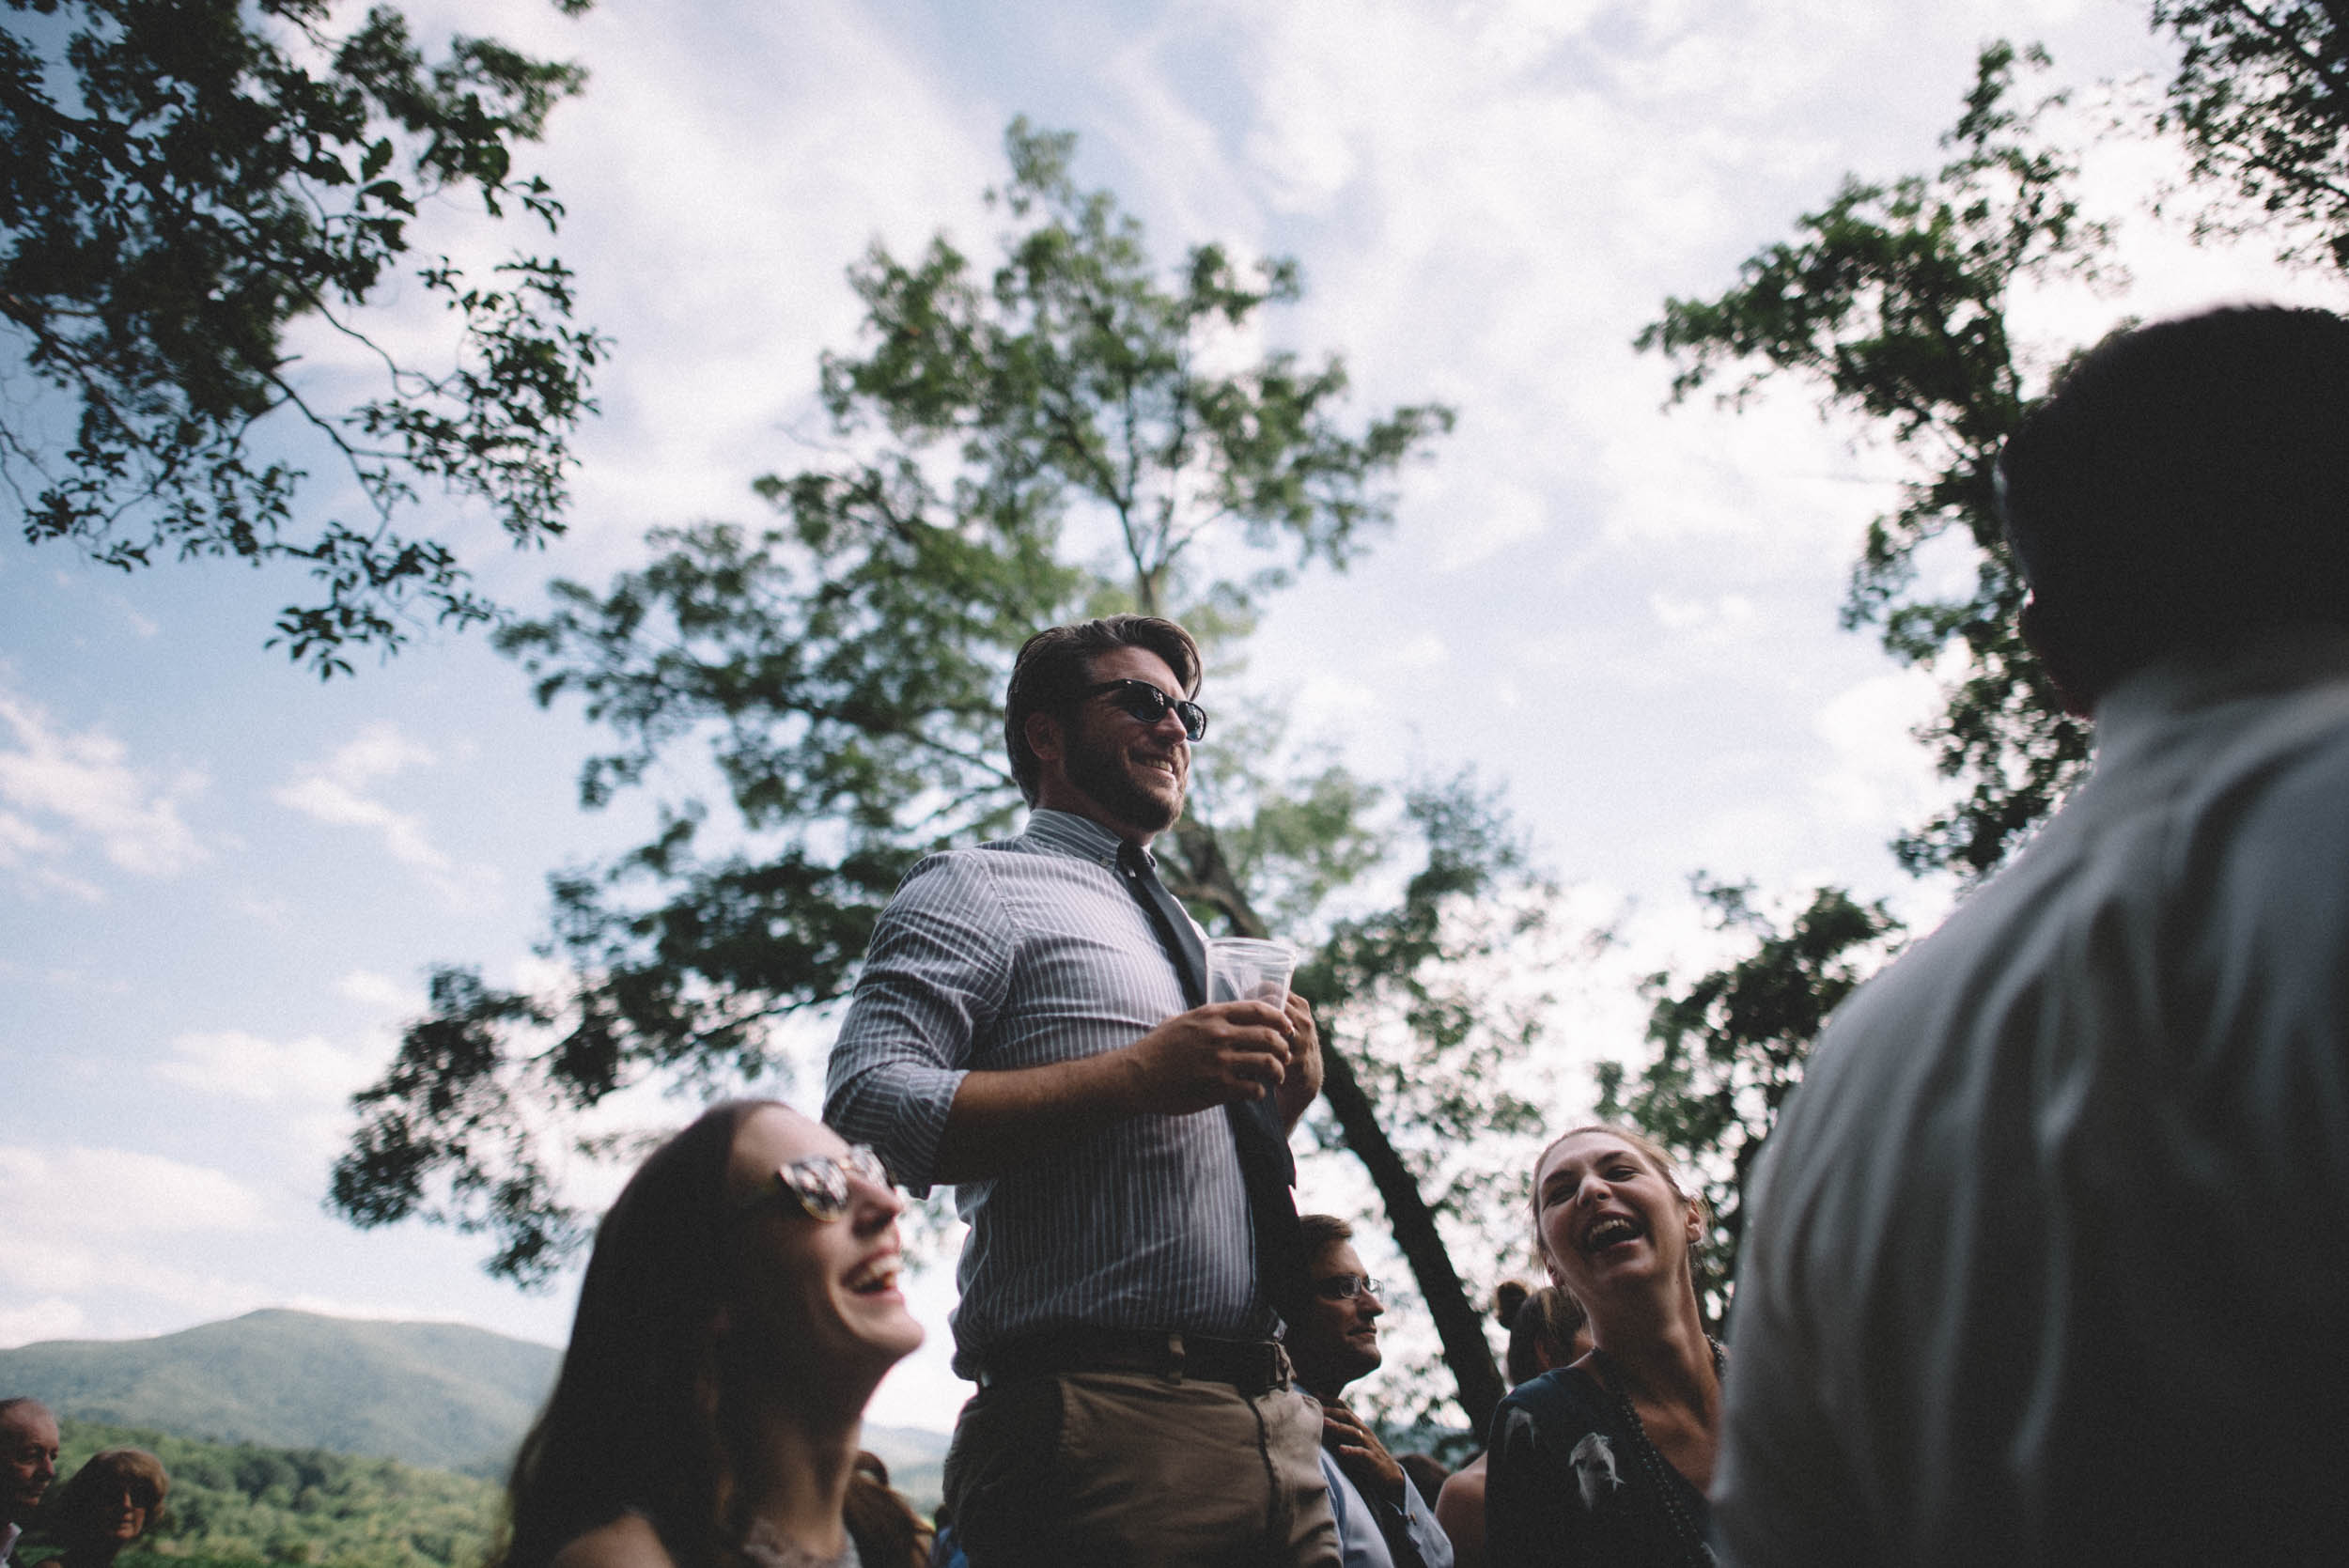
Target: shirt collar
x,y
2183,685
1064,832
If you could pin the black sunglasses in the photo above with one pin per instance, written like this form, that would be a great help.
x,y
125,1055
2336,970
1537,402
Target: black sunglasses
x,y
1147,703
819,1188
1345,1287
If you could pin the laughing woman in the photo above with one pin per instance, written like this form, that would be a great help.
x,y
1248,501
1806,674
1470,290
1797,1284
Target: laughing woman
x,y
740,1306
1603,1464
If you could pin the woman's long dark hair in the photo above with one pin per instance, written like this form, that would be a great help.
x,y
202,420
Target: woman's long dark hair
x,y
635,1422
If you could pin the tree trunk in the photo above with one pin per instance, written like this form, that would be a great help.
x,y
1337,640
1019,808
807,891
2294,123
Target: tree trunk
x,y
1458,1324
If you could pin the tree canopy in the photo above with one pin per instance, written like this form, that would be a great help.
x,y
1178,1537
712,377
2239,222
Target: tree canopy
x,y
1070,433
1892,300
1732,1045
181,181
2261,98
1892,304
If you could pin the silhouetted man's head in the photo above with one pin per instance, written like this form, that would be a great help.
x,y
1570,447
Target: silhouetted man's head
x,y
2187,485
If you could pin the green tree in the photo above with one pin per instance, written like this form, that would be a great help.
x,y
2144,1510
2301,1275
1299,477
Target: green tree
x,y
1066,435
1892,305
1421,995
1732,1045
2261,98
1892,302
183,180
243,1504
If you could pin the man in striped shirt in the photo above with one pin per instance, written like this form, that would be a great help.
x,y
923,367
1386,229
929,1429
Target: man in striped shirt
x,y
1022,1032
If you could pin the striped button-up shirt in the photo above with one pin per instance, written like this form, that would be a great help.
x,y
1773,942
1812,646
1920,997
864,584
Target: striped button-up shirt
x,y
1015,954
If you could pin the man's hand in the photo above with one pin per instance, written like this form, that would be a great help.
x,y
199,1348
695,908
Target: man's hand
x,y
1302,1081
1211,1056
1362,1455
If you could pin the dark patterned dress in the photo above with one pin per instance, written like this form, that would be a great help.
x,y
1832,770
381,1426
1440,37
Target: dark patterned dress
x,y
1573,1483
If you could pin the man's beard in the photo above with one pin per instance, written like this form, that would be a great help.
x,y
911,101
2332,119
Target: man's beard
x,y
1100,771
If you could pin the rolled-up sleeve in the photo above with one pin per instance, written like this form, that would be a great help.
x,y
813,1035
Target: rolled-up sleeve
x,y
934,980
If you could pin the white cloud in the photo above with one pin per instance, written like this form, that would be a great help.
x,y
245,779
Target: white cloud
x,y
64,786
52,1317
380,992
1878,773
1419,655
340,792
306,1072
81,1231
88,1192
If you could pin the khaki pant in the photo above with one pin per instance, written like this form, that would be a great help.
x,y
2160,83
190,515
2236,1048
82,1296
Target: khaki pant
x,y
1107,1469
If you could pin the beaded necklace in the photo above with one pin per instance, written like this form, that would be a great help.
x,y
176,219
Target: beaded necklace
x,y
766,1548
1661,1474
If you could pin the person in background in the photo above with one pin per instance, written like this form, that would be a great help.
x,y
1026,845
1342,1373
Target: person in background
x,y
1546,1329
28,1462
2049,1257
1383,1522
885,1525
1603,1464
740,1307
113,1499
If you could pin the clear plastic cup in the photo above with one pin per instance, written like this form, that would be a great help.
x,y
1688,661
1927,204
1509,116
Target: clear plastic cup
x,y
1241,969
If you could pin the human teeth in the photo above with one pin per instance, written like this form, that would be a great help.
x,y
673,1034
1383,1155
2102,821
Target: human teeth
x,y
871,1281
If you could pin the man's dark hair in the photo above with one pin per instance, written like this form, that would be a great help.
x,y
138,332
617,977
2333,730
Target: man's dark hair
x,y
1056,665
2187,482
1321,1232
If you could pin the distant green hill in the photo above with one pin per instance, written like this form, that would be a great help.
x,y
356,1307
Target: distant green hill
x,y
434,1395
239,1504
437,1395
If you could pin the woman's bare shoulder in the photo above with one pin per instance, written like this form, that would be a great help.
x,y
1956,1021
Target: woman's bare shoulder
x,y
628,1542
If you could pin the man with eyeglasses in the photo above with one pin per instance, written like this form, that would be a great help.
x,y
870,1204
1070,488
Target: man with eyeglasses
x,y
1031,1025
1382,1520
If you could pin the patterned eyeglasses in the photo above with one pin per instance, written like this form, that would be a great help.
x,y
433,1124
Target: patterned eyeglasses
x,y
819,1187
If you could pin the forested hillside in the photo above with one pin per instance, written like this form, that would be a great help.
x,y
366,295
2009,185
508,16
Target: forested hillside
x,y
301,1390
436,1394
242,1503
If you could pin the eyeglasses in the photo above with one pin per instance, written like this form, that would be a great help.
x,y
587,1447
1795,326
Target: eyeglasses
x,y
1144,701
1345,1287
819,1187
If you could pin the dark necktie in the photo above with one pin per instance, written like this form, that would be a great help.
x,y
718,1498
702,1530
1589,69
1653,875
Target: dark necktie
x,y
1267,1168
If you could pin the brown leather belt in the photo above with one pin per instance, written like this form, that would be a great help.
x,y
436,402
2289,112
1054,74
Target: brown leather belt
x,y
1250,1366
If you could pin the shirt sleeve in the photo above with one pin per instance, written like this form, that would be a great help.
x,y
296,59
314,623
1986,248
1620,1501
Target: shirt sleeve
x,y
934,980
1782,1493
1427,1535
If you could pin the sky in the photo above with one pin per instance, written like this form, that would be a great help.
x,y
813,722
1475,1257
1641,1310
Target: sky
x,y
221,881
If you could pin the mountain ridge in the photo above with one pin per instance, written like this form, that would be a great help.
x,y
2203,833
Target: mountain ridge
x,y
442,1396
